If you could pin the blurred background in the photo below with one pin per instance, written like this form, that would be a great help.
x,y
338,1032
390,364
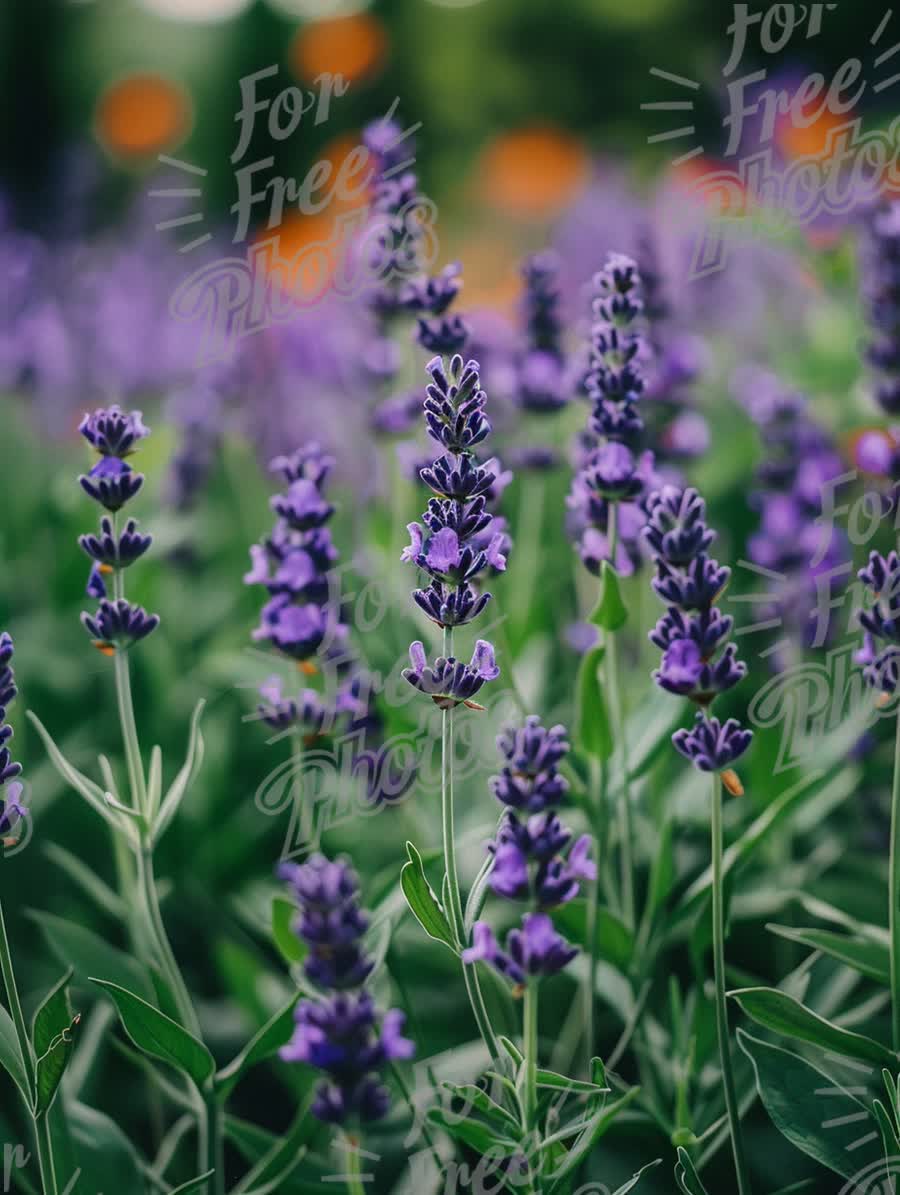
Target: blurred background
x,y
529,133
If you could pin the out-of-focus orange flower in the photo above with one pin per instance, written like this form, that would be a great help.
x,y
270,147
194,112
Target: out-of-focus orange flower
x,y
532,172
491,276
796,141
142,115
354,46
310,273
337,151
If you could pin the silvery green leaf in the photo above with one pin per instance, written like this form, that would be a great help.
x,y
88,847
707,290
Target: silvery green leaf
x,y
192,762
91,792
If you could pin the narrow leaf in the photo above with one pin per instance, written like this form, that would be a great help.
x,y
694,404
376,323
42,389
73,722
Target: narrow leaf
x,y
54,1014
11,1055
636,1178
89,954
91,792
474,1133
871,959
87,880
588,1138
474,1098
420,897
572,1086
610,612
192,761
592,727
158,1035
686,1176
781,1013
284,914
802,1100
51,1066
266,1042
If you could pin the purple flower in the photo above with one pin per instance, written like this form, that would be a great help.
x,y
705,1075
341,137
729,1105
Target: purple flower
x,y
543,386
460,478
530,780
676,525
309,463
433,295
614,473
454,405
116,552
445,335
118,624
112,431
451,682
881,576
96,586
528,861
686,673
540,302
302,507
111,482
11,809
534,950
711,745
340,1034
881,295
298,631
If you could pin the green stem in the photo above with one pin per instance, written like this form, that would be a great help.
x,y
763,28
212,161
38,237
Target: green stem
x,y
215,1142
894,893
597,801
161,942
45,1154
617,716
354,1171
530,1050
41,1129
718,927
455,911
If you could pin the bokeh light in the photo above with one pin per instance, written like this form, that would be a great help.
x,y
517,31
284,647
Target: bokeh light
x,y
532,172
318,10
141,115
355,47
200,11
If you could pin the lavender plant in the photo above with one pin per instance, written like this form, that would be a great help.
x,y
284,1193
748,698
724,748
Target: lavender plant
x,y
453,551
697,663
43,1053
340,1032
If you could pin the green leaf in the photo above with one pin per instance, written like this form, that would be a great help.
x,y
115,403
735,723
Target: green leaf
x,y
107,1159
474,1133
636,1178
51,1066
420,897
91,792
573,1086
11,1055
610,612
592,726
587,1139
193,1184
284,914
473,1097
54,1014
871,959
154,781
814,1112
783,1014
512,1050
266,1042
87,880
179,786
53,1039
478,893
158,1035
686,1176
89,954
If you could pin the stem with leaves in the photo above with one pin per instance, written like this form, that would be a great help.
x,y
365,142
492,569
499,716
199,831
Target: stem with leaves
x,y
39,1120
455,909
894,893
718,930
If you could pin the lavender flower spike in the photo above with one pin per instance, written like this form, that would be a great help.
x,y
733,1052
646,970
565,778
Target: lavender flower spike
x,y
534,950
451,682
11,808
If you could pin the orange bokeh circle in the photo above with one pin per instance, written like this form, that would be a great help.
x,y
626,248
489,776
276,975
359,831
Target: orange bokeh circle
x,y
532,172
142,115
354,47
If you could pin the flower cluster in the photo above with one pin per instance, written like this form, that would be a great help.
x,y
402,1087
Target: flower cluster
x,y
612,472
293,562
11,809
341,1033
460,539
693,631
881,296
115,435
880,653
793,541
402,218
534,859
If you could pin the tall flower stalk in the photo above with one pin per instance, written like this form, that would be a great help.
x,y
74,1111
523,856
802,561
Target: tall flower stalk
x,y
456,545
698,664
880,657
11,812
